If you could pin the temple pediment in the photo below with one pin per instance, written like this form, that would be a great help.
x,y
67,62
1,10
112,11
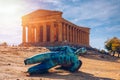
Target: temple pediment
x,y
43,13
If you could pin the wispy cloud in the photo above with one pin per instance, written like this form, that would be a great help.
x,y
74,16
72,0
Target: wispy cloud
x,y
112,29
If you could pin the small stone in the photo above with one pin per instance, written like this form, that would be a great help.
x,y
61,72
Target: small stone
x,y
9,64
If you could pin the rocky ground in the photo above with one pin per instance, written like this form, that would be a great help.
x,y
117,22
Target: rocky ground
x,y
95,66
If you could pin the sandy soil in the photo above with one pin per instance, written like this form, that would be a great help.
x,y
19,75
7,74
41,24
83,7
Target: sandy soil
x,y
95,66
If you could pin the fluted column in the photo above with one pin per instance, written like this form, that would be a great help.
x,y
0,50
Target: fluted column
x,y
64,30
32,34
70,34
52,29
41,33
84,37
60,31
29,34
88,38
67,33
73,35
24,34
65,36
78,37
44,33
37,33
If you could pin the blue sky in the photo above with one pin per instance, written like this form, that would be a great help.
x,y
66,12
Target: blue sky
x,y
102,16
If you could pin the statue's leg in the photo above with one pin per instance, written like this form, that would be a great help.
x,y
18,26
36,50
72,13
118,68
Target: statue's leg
x,y
75,67
41,68
69,68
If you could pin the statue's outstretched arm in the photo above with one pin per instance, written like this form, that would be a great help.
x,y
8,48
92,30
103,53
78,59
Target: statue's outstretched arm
x,y
37,58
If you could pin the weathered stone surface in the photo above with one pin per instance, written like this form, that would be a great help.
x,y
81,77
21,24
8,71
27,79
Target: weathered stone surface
x,y
48,28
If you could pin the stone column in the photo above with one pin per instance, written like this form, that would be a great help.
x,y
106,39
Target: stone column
x,y
73,36
33,34
67,33
44,33
84,37
80,37
37,33
24,34
88,37
52,32
64,30
60,31
76,35
29,34
41,33
70,34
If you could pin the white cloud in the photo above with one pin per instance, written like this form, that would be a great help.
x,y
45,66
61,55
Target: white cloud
x,y
100,10
112,29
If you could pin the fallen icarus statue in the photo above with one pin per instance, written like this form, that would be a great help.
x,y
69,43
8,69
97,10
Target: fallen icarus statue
x,y
65,56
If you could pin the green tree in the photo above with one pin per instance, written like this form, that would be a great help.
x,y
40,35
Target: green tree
x,y
113,45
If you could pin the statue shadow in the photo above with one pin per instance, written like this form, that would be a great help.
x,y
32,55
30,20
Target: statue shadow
x,y
70,76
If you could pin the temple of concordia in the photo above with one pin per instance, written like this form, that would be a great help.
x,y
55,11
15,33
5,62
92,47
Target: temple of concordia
x,y
48,28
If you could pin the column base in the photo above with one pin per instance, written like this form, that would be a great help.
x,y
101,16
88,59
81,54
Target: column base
x,y
47,44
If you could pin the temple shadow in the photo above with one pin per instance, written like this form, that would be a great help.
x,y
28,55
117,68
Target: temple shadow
x,y
70,76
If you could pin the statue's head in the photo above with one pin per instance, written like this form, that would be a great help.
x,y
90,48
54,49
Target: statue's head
x,y
81,51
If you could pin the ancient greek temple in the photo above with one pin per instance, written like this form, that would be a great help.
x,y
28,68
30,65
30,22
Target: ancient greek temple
x,y
48,28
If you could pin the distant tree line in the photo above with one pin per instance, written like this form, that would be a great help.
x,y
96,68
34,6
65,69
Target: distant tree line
x,y
113,46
